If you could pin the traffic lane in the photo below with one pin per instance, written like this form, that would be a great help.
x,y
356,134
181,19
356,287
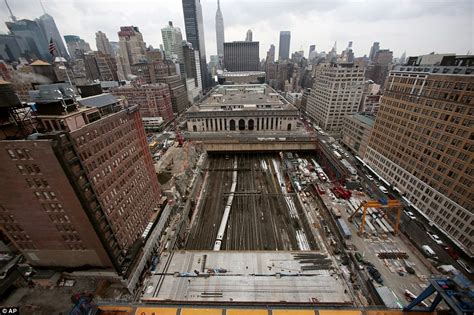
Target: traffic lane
x,y
416,232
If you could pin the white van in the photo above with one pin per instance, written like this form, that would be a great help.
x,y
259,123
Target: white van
x,y
383,189
428,251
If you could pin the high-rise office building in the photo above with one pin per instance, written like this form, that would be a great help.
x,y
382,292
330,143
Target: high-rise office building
x,y
132,50
83,191
403,58
76,46
336,92
195,33
241,56
100,66
153,100
179,96
380,67
421,143
173,44
284,46
192,65
10,51
271,54
373,50
356,131
248,36
220,38
50,30
311,49
31,39
103,44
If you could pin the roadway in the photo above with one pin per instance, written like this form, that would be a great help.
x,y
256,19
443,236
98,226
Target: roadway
x,y
416,229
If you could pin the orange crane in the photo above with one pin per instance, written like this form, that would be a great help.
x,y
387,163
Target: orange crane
x,y
391,204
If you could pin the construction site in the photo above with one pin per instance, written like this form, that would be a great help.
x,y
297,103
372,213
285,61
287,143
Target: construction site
x,y
277,226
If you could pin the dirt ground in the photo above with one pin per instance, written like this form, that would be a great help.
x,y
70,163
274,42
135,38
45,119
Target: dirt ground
x,y
56,300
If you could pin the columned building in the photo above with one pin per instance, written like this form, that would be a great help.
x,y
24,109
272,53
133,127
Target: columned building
x,y
252,108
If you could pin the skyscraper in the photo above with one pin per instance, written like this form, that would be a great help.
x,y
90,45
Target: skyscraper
x,y
241,56
271,54
172,42
311,49
30,38
76,46
421,142
9,49
248,37
192,64
380,67
220,38
50,30
373,50
195,33
132,50
103,44
284,46
336,92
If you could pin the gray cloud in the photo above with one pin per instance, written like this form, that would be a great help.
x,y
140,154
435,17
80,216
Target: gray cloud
x,y
417,26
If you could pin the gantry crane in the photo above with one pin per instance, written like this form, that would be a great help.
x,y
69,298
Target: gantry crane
x,y
391,204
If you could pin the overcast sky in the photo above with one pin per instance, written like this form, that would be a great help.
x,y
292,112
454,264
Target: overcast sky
x,y
417,26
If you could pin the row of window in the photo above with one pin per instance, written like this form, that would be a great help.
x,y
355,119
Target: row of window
x,y
29,169
19,154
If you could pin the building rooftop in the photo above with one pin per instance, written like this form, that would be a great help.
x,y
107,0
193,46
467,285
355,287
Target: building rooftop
x,y
100,100
39,63
366,119
246,96
243,276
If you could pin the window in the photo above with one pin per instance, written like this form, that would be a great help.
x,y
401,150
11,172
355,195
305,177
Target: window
x,y
21,169
12,154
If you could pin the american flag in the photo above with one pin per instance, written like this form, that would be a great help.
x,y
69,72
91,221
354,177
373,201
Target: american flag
x,y
52,47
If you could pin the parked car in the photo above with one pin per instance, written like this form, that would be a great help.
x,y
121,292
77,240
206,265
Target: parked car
x,y
435,238
410,214
464,265
369,177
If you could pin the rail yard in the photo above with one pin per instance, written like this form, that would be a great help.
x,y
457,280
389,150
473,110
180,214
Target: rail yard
x,y
261,219
264,211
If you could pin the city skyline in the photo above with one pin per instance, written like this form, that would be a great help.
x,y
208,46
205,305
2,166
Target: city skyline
x,y
388,21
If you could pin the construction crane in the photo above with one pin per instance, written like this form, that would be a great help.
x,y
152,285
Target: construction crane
x,y
179,136
391,204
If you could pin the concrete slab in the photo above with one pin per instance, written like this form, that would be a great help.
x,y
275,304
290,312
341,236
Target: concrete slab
x,y
243,276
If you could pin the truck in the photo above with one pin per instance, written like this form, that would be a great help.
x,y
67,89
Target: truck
x,y
337,155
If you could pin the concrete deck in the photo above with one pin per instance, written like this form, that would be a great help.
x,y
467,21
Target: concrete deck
x,y
250,277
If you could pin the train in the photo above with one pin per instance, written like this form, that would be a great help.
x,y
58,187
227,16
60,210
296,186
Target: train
x,y
225,217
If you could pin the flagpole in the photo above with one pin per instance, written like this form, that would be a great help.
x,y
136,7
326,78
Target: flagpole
x,y
61,59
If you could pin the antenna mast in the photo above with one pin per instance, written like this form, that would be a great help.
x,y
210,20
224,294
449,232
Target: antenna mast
x,y
42,7
11,13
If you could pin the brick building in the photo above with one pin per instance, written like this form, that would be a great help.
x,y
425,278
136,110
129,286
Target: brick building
x,y
153,100
83,190
421,142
